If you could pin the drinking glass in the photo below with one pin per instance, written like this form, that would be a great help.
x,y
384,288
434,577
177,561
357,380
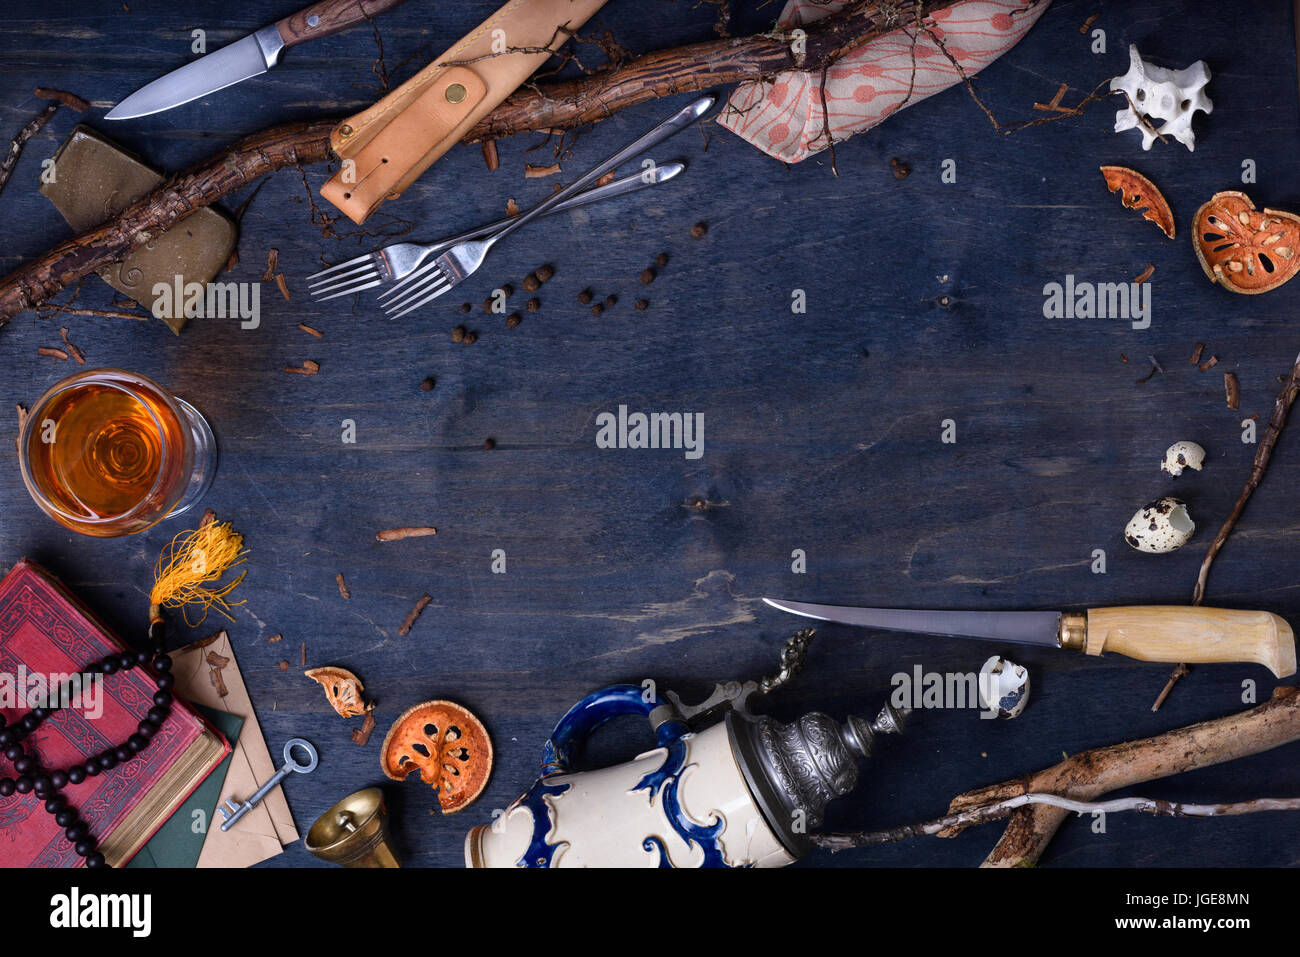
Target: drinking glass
x,y
107,452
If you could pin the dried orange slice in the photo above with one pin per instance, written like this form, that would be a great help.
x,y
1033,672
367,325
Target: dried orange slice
x,y
342,688
1138,192
448,746
1244,249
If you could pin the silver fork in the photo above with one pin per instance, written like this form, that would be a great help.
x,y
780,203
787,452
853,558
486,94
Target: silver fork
x,y
399,260
460,261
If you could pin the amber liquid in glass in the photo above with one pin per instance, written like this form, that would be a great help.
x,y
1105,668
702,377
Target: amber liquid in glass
x,y
98,452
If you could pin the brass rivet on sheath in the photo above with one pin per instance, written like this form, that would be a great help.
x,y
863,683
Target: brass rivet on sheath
x,y
455,93
345,130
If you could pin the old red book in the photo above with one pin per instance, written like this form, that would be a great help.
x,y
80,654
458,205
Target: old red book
x,y
46,634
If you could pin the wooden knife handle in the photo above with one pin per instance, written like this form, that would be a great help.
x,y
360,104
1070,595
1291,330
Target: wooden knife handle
x,y
331,16
1192,634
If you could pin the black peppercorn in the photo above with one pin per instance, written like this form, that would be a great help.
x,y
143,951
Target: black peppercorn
x,y
471,338
585,296
513,320
465,307
699,229
661,260
489,444
610,301
458,334
534,304
531,283
427,385
545,273
642,305
647,276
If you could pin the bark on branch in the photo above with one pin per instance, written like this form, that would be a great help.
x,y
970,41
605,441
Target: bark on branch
x,y
555,105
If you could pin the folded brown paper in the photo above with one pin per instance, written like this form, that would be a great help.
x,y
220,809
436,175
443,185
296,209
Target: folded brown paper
x,y
386,147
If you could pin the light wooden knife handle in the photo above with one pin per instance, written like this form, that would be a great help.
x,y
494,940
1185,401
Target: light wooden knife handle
x,y
1192,634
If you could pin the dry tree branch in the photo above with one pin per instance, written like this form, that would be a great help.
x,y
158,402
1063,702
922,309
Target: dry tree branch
x,y
1001,809
1090,774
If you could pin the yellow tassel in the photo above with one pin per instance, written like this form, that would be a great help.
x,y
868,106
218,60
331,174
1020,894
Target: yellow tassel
x,y
192,561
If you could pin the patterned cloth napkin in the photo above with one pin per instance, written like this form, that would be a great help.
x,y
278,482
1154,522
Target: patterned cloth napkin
x,y
784,118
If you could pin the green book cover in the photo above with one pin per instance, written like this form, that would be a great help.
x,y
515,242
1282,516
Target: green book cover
x,y
176,843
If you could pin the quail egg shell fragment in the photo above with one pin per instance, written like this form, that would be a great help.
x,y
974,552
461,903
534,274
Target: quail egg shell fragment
x,y
1160,527
1004,687
1183,455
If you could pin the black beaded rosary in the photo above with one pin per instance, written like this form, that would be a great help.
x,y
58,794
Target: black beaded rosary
x,y
47,785
191,559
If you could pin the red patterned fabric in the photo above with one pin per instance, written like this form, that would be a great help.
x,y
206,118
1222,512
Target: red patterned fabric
x,y
784,118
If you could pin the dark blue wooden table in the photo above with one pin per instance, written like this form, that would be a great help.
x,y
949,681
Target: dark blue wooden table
x,y
822,430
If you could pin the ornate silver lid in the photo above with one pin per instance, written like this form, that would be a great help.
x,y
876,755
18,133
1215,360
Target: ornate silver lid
x,y
794,769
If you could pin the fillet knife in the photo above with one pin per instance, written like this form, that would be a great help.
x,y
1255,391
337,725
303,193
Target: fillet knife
x,y
1144,632
249,57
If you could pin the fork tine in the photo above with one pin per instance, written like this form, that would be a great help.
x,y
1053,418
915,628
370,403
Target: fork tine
x,y
436,290
412,293
348,291
329,290
329,269
421,273
364,268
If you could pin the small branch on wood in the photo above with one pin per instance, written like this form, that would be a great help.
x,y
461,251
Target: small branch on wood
x,y
19,141
1276,423
1090,774
994,812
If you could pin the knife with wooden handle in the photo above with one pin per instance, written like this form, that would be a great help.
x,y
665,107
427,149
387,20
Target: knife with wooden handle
x,y
1145,632
249,57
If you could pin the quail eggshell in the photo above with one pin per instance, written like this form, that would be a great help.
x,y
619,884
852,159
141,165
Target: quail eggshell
x,y
1161,526
1003,687
1183,455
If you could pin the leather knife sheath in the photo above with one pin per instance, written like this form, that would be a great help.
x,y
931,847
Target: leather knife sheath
x,y
387,146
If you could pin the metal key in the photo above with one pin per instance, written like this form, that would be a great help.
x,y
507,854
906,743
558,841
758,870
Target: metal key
x,y
236,811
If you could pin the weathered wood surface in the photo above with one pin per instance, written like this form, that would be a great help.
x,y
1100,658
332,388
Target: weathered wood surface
x,y
822,430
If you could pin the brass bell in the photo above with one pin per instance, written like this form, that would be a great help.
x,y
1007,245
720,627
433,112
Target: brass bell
x,y
354,832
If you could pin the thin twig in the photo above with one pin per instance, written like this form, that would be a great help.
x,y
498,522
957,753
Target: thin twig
x,y
993,812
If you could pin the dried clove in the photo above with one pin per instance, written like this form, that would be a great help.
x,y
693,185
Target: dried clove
x,y
405,628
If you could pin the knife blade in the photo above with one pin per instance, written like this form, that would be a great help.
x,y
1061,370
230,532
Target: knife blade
x,y
251,56
1145,632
